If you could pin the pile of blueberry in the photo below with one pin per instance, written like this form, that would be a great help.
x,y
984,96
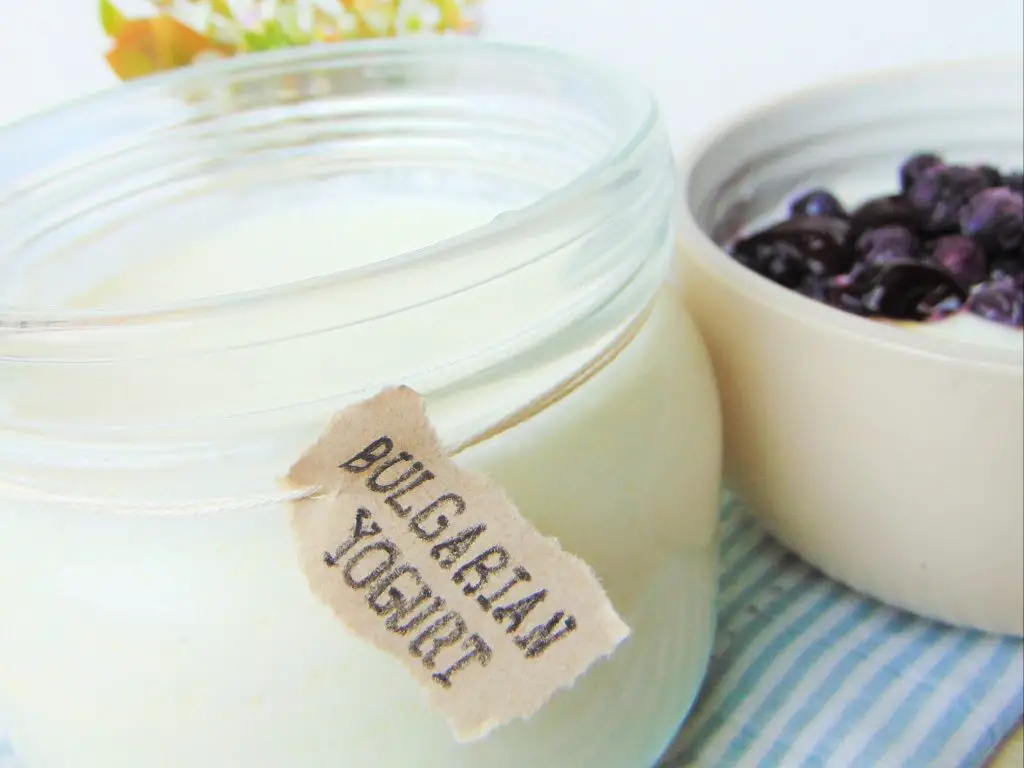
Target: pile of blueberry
x,y
952,240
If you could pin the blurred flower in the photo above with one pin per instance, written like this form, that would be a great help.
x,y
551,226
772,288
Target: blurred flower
x,y
143,46
182,32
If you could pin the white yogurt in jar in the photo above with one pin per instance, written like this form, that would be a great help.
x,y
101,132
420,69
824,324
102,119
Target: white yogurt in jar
x,y
137,641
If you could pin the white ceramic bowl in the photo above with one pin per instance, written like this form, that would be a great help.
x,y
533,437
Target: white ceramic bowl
x,y
890,459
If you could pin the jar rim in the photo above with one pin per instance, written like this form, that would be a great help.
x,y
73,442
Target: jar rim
x,y
635,110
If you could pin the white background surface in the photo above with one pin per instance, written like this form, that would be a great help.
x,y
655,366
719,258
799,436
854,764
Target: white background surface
x,y
703,58
707,58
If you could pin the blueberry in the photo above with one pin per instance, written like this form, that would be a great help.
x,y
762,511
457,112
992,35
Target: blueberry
x,y
816,288
817,202
887,244
882,212
823,241
1001,301
946,307
992,175
774,256
994,217
787,266
1015,181
938,194
914,166
1012,268
795,248
844,291
902,290
962,257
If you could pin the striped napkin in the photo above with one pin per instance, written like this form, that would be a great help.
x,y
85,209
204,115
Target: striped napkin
x,y
806,673
810,675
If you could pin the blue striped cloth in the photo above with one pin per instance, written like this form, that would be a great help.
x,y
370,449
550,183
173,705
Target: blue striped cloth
x,y
809,675
806,673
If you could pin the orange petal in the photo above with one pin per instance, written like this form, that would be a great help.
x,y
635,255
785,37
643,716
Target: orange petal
x,y
145,46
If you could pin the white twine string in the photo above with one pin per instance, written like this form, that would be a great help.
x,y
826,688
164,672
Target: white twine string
x,y
239,503
115,506
206,506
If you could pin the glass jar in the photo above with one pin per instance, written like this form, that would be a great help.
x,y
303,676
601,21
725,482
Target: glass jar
x,y
215,260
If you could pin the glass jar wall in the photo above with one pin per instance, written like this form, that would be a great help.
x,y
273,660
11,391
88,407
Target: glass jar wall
x,y
212,263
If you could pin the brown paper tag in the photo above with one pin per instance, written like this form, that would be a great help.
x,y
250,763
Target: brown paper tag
x,y
435,565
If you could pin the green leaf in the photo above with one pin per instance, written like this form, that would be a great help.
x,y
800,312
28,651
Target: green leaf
x,y
221,8
272,36
111,18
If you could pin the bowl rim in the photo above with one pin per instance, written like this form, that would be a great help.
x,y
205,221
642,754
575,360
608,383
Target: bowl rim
x,y
692,237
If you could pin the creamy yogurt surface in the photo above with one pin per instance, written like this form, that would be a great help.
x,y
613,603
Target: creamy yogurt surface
x,y
291,245
194,640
